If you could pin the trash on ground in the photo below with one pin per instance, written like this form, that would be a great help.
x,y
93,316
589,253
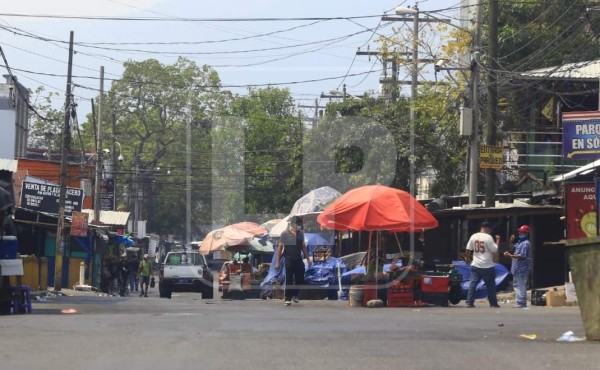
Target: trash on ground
x,y
569,336
69,310
500,324
41,299
528,336
375,303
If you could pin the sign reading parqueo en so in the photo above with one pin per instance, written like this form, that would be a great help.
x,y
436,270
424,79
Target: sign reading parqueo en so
x,y
581,135
44,198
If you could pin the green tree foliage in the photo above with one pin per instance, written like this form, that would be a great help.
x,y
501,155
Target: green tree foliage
x,y
537,34
151,104
437,146
45,134
272,153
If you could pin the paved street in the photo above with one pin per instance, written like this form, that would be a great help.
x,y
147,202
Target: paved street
x,y
189,333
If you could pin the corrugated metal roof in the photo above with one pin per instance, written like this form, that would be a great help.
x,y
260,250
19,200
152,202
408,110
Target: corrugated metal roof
x,y
574,71
109,217
9,164
583,170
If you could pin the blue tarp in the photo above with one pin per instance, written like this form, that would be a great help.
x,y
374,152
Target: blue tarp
x,y
363,270
322,274
481,291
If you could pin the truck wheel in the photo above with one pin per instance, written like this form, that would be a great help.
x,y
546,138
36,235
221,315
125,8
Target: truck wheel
x,y
161,289
207,291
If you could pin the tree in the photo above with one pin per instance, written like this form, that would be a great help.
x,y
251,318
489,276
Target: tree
x,y
272,150
45,133
151,105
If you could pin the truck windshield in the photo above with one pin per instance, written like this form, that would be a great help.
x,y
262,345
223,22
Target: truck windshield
x,y
178,259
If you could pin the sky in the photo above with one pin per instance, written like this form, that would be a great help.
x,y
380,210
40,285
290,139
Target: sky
x,y
36,48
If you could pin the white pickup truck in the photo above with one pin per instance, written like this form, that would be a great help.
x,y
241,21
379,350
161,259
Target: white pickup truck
x,y
185,272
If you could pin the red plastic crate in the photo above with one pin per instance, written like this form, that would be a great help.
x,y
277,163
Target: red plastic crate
x,y
400,299
435,284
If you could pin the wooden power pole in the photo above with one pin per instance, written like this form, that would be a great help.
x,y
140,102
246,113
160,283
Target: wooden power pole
x,y
66,146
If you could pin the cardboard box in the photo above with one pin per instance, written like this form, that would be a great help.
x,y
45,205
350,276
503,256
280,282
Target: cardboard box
x,y
555,298
570,292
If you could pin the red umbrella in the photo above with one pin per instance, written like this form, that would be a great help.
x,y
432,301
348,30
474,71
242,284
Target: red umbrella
x,y
376,207
251,227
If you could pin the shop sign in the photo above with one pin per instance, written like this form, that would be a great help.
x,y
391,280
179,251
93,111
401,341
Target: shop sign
x,y
491,157
580,209
107,194
79,224
581,135
44,198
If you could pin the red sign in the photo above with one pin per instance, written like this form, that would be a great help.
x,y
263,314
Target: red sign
x,y
580,205
79,224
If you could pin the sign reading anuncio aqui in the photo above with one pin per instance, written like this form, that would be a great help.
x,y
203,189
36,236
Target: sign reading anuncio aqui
x,y
581,135
44,198
490,157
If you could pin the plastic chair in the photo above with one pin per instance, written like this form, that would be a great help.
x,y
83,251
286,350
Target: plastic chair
x,y
16,304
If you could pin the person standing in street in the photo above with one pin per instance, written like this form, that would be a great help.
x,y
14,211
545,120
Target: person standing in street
x,y
145,271
133,274
521,264
291,246
482,255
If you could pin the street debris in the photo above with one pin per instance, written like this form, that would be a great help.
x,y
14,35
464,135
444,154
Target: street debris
x,y
569,336
69,311
528,336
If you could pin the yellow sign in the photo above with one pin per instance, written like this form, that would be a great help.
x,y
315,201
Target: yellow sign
x,y
490,157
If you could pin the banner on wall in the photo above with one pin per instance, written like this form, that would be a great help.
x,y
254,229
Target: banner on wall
x,y
79,224
581,135
580,207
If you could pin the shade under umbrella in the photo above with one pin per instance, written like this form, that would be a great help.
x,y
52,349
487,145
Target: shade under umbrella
x,y
315,201
220,239
376,207
251,227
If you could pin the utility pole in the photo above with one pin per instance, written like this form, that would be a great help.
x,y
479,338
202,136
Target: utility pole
x,y
413,98
114,159
188,181
492,100
474,145
66,146
98,173
316,107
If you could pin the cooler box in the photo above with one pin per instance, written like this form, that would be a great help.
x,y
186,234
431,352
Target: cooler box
x,y
435,284
434,290
8,247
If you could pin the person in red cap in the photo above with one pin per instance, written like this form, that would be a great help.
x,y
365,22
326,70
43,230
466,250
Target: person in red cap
x,y
521,264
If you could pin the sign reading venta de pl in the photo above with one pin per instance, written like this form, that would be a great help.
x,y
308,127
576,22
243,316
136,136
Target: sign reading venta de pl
x,y
44,198
581,135
490,157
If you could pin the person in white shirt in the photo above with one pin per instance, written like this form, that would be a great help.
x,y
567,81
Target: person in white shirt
x,y
482,255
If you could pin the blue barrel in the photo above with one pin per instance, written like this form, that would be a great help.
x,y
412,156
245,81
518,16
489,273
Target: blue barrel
x,y
8,247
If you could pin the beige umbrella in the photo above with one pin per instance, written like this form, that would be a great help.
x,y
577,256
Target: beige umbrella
x,y
220,239
251,227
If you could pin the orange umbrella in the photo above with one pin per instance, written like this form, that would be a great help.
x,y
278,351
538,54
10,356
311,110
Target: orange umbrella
x,y
251,227
376,207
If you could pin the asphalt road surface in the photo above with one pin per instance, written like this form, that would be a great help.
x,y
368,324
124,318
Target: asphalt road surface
x,y
187,332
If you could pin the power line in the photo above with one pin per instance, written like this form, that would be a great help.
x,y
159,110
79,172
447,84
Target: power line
x,y
177,19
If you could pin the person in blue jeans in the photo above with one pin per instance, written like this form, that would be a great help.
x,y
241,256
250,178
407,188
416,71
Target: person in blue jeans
x,y
482,255
521,264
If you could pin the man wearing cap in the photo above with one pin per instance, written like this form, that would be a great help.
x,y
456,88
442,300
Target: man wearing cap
x,y
482,255
145,271
521,264
292,246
